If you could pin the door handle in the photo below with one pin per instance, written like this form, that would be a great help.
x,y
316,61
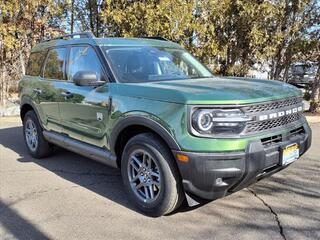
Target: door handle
x,y
67,95
37,90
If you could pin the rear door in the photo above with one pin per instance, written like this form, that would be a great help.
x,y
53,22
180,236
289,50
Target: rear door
x,y
85,109
30,83
48,88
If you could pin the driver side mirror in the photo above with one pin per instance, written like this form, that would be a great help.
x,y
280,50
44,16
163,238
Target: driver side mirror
x,y
86,78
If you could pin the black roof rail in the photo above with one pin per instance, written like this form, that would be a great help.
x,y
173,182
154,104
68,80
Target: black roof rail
x,y
157,38
73,35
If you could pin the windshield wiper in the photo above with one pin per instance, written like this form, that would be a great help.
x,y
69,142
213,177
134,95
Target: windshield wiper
x,y
201,77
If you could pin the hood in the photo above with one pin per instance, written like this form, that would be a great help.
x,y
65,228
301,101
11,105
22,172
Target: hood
x,y
213,90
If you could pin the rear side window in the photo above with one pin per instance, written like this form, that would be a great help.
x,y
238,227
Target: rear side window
x,y
55,62
35,63
84,59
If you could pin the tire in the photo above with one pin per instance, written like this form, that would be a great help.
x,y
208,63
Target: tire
x,y
38,147
160,172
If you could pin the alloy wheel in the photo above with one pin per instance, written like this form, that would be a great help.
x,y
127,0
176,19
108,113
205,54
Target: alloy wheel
x,y
144,176
31,135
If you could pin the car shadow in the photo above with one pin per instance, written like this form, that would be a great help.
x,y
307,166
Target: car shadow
x,y
13,222
107,181
79,170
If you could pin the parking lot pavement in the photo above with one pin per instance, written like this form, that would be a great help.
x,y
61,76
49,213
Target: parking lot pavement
x,y
67,196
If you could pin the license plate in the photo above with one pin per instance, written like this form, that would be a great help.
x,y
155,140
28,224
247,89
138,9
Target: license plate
x,y
290,154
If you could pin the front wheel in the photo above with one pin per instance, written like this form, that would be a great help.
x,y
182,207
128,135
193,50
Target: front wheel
x,y
150,175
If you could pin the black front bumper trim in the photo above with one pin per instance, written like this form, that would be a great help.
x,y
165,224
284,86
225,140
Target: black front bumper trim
x,y
215,175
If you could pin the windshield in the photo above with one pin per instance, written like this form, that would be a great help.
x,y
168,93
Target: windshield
x,y
147,64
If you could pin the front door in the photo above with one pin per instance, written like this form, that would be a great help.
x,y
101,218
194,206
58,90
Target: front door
x,y
84,111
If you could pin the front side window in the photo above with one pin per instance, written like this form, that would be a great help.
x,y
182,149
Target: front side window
x,y
54,66
84,59
146,64
35,63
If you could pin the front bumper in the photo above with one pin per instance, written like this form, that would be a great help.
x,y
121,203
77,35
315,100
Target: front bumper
x,y
215,175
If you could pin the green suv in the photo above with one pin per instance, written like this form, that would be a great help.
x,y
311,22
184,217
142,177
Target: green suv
x,y
150,108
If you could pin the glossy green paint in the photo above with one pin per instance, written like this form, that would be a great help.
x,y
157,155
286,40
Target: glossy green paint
x,y
46,102
165,102
130,99
79,113
215,90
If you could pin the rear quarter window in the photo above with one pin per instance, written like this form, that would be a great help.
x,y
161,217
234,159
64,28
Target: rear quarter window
x,y
35,63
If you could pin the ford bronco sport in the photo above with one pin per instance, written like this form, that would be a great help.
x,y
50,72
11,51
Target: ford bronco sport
x,y
150,108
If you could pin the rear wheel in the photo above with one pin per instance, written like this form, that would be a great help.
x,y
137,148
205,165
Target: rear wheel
x,y
37,146
150,175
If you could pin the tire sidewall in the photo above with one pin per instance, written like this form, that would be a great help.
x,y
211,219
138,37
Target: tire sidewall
x,y
31,115
158,206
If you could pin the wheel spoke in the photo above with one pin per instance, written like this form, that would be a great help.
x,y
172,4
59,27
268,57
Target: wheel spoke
x,y
144,159
137,161
151,191
134,166
149,163
135,178
154,174
156,183
139,186
146,192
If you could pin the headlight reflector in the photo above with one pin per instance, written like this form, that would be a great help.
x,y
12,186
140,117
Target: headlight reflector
x,y
218,121
204,120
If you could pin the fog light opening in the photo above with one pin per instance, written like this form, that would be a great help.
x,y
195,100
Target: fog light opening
x,y
220,182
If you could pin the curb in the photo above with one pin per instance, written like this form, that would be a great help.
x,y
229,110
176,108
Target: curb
x,y
8,115
313,119
12,111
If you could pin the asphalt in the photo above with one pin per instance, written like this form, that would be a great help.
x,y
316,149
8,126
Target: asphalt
x,y
67,196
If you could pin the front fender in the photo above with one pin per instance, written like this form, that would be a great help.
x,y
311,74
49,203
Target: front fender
x,y
143,119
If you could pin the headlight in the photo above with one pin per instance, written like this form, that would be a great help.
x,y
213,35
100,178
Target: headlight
x,y
218,121
203,120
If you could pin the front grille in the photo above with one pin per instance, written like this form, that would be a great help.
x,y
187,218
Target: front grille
x,y
253,127
273,105
297,131
266,142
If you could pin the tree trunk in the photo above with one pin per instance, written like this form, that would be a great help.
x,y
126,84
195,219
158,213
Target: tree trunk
x,y
91,17
72,17
286,73
2,75
315,95
22,62
278,62
3,90
97,19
